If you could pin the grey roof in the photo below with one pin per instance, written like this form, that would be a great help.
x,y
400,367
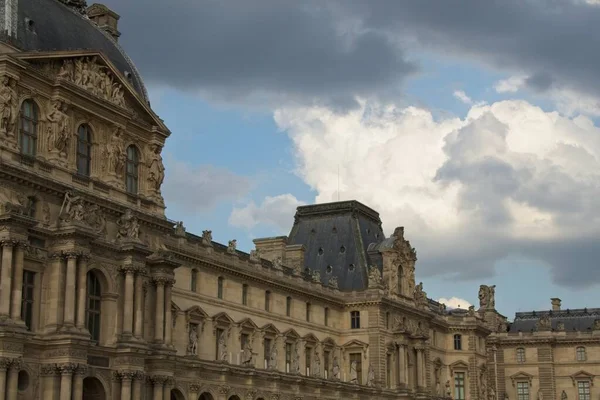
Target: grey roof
x,y
581,319
57,27
336,237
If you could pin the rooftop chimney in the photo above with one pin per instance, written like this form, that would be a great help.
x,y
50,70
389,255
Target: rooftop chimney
x,y
555,304
105,18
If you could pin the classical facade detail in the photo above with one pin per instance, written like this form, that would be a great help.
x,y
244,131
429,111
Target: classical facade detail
x,y
9,103
128,226
487,297
231,246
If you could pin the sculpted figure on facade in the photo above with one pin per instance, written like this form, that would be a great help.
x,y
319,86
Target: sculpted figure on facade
x,y
128,226
371,376
316,276
193,340
114,153
59,130
277,263
540,395
273,356
179,229
317,364
156,168
560,326
222,347
73,208
399,324
333,282
420,295
247,354
8,106
375,278
486,296
231,246
296,360
255,256
563,395
448,389
596,325
207,238
353,373
46,215
335,371
544,323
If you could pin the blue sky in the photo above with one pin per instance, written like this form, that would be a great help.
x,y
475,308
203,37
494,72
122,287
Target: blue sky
x,y
477,133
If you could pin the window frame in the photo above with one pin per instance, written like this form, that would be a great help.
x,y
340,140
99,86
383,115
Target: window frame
x,y
326,316
580,354
288,306
522,390
194,280
87,155
586,386
220,285
27,301
457,341
521,355
460,380
355,319
267,300
93,320
245,294
132,170
32,122
308,311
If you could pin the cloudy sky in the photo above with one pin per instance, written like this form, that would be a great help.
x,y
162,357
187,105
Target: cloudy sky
x,y
476,125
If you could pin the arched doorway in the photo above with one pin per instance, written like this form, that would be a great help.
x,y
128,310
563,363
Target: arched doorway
x,y
93,389
176,395
205,396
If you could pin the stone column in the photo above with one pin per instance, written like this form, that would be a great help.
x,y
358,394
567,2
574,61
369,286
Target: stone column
x,y
126,378
70,290
193,390
159,317
128,303
168,315
402,365
66,381
13,380
6,277
138,379
169,383
80,374
4,365
82,290
420,379
139,305
17,289
158,382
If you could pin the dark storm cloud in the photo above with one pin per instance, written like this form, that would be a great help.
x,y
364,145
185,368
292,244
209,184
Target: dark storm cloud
x,y
296,51
551,40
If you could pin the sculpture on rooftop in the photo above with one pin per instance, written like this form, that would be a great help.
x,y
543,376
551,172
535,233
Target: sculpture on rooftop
x,y
487,300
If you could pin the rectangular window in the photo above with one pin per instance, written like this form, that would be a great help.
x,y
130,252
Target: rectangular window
x,y
244,340
218,336
308,359
326,357
387,320
267,301
267,354
326,316
355,319
520,355
194,281
522,390
220,287
308,312
288,306
27,298
288,357
459,386
357,357
457,342
388,370
583,390
245,294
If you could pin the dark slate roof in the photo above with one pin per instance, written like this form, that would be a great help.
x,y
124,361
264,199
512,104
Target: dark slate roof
x,y
336,237
57,27
581,319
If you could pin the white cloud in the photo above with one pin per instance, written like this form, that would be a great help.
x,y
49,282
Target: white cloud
x,y
275,211
507,179
462,96
199,188
455,302
510,85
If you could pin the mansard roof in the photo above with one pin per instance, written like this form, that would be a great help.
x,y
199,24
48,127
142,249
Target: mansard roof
x,y
581,319
336,237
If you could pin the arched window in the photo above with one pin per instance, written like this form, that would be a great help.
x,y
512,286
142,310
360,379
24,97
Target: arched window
x,y
131,174
520,355
220,287
194,278
84,150
580,352
28,123
354,319
457,342
94,302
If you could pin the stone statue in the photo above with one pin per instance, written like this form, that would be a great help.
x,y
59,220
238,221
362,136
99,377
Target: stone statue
x,y
128,226
179,229
94,217
544,323
277,263
560,326
398,324
374,277
255,256
46,216
193,340
114,152
59,130
492,394
335,372
93,77
563,395
247,354
222,347
231,246
273,357
156,168
317,366
420,295
448,389
486,296
540,395
353,373
471,311
296,361
8,101
596,325
333,282
72,208
207,238
371,376
316,276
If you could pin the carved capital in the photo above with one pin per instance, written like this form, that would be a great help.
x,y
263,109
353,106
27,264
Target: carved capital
x,y
85,256
159,280
49,369
224,389
82,369
158,379
194,387
16,363
5,363
127,270
67,368
126,375
71,255
8,243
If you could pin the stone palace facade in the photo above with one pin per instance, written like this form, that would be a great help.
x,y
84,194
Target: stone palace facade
x,y
102,297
